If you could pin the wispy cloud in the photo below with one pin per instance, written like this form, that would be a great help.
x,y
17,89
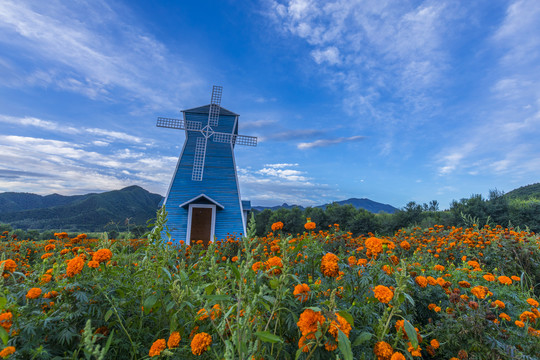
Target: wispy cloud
x,y
68,168
92,48
328,142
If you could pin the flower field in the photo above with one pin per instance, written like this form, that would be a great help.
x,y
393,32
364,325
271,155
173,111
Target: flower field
x,y
437,293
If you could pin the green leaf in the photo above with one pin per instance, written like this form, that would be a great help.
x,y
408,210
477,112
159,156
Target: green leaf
x,y
108,315
298,353
149,303
4,335
344,314
344,345
166,272
3,302
274,283
210,289
410,299
268,337
218,297
362,338
234,270
269,298
314,308
411,334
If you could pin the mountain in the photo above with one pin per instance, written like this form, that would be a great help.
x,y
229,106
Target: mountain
x,y
369,205
525,192
90,212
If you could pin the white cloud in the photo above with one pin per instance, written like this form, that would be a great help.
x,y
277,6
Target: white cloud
x,y
328,142
92,48
329,55
280,165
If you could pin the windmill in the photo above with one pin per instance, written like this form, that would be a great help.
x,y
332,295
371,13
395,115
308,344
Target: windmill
x,y
203,200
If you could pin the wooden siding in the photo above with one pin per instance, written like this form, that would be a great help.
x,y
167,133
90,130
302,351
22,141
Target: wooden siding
x,y
219,182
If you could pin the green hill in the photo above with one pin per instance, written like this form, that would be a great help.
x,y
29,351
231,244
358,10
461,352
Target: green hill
x,y
90,212
525,192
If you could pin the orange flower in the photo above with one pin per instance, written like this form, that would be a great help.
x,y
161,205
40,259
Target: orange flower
x,y
102,255
202,315
7,351
275,264
435,344
9,265
405,246
505,316
234,259
383,350
373,246
277,226
438,268
6,320
309,322
45,278
383,294
505,280
310,225
33,293
256,266
50,294
414,351
75,266
464,284
479,291
489,277
532,302
498,304
329,265
421,281
200,343
157,347
527,316
397,356
301,292
302,344
519,323
93,264
174,340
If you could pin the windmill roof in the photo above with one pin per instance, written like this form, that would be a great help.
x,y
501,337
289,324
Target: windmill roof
x,y
206,108
204,198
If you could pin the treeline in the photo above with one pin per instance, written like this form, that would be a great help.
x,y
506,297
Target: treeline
x,y
497,209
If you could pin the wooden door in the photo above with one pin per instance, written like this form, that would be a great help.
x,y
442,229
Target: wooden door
x,y
201,224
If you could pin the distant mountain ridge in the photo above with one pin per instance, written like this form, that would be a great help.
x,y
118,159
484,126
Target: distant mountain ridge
x,y
89,212
367,204
525,192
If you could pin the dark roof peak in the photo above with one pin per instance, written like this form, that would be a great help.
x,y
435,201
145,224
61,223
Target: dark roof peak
x,y
206,108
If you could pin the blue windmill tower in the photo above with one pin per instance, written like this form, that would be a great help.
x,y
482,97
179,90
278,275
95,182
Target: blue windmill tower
x,y
203,201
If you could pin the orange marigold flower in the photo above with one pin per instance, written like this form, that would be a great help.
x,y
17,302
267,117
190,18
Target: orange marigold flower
x,y
505,316
6,320
464,284
405,245
505,280
202,314
257,266
157,347
46,255
383,350
33,293
102,255
215,312
519,323
515,278
93,264
361,262
174,340
50,294
421,281
383,293
301,292
329,265
527,316
302,344
341,324
275,263
75,266
489,277
7,351
200,343
310,226
435,344
277,226
397,356
532,302
45,278
414,351
50,247
479,291
9,265
309,321
351,260
234,259
438,268
498,304
374,246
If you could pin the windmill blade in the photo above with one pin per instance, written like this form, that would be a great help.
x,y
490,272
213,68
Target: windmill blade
x,y
234,139
178,124
215,101
198,159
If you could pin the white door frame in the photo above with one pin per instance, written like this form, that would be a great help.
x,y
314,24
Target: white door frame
x,y
213,221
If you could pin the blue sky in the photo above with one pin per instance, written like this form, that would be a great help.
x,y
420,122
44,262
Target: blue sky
x,y
395,101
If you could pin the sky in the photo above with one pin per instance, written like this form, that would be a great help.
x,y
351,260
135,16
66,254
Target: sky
x,y
394,101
